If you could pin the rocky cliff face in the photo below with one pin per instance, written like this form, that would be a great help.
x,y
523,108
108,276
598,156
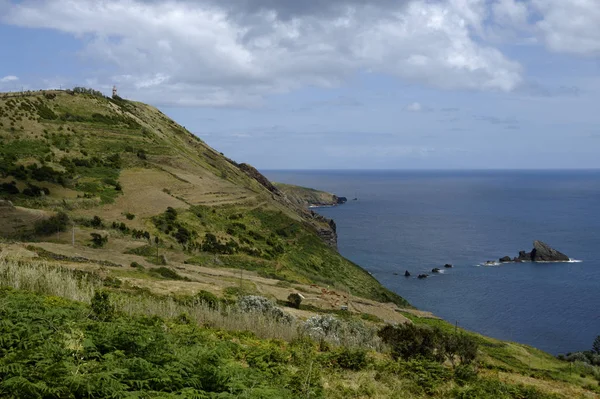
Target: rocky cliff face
x,y
328,232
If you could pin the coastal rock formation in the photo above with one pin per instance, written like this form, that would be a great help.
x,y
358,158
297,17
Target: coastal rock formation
x,y
541,252
407,274
340,200
448,266
435,270
422,276
544,253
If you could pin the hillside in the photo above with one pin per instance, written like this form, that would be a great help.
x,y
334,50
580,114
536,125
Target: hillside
x,y
308,197
126,163
136,261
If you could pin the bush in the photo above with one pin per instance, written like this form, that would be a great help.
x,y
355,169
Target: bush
x,y
9,188
96,222
53,224
349,359
102,309
258,304
409,341
98,240
136,265
130,216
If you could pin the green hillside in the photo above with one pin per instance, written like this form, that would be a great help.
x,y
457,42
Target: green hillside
x,y
306,197
89,155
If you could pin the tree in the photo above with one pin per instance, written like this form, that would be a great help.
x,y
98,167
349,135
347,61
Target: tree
x,y
596,345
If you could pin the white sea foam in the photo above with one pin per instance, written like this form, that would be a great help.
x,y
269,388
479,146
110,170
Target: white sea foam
x,y
489,264
574,261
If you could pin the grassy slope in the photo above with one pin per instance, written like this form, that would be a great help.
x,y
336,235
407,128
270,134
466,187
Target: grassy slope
x,y
304,196
210,194
175,169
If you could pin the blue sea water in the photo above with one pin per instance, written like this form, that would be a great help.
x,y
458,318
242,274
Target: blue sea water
x,y
420,220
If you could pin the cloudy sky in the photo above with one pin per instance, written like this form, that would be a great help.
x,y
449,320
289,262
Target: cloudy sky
x,y
335,84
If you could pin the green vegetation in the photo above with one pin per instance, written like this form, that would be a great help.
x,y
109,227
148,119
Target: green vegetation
x,y
54,224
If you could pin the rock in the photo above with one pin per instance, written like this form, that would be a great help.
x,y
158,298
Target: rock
x,y
422,276
435,270
544,253
341,200
541,252
505,259
407,274
295,299
448,266
395,274
524,256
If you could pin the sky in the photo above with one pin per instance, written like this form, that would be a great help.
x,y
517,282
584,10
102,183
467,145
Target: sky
x,y
335,84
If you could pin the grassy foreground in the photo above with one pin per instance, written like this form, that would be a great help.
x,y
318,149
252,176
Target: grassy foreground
x,y
68,334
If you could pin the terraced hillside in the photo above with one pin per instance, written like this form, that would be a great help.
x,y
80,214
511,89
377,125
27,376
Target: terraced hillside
x,y
125,171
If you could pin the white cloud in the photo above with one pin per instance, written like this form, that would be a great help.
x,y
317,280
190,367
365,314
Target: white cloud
x,y
9,78
414,107
232,53
571,26
511,13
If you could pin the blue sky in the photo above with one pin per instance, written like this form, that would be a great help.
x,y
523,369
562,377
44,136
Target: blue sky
x,y
346,84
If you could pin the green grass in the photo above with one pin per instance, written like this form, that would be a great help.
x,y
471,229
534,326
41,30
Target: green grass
x,y
53,347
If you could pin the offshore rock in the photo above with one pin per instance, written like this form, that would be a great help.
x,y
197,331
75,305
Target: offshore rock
x,y
505,259
407,274
542,252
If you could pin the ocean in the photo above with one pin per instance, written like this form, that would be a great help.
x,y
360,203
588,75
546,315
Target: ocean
x,y
418,220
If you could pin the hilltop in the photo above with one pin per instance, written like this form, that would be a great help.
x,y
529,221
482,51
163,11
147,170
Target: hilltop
x,y
137,261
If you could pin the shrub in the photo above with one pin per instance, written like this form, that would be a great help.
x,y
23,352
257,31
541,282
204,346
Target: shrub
x,y
9,188
96,222
53,224
98,240
409,341
349,359
136,265
130,216
322,326
207,298
102,308
258,304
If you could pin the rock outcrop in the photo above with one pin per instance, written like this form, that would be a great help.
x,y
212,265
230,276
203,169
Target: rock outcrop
x,y
407,274
422,276
435,270
541,252
448,266
259,177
